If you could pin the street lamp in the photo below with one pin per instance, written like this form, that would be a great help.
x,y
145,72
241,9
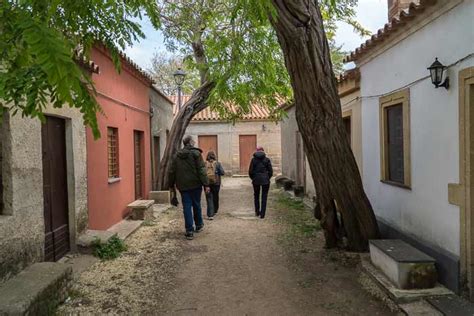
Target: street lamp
x,y
179,76
437,70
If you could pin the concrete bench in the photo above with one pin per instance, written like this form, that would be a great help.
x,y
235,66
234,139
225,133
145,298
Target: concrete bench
x,y
404,265
139,209
37,290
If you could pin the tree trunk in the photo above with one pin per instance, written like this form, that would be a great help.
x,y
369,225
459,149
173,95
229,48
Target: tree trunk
x,y
195,104
339,190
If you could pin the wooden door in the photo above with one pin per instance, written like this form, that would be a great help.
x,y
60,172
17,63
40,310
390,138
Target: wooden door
x,y
55,195
138,165
247,145
300,161
207,143
156,160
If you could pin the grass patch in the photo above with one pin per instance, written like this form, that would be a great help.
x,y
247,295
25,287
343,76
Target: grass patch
x,y
298,218
109,250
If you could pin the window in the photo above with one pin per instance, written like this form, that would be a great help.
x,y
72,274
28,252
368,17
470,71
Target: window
x,y
395,139
113,154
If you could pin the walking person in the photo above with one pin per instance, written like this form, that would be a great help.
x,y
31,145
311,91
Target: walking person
x,y
260,171
188,174
214,172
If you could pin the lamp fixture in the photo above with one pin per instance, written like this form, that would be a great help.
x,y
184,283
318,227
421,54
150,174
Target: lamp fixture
x,y
437,71
179,76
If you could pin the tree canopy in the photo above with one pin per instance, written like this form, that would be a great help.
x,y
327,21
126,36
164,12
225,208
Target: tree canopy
x,y
41,41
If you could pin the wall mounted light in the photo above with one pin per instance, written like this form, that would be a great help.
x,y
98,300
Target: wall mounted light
x,y
264,128
437,71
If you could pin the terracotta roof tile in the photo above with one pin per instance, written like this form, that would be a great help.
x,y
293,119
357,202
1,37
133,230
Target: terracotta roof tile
x,y
405,18
258,112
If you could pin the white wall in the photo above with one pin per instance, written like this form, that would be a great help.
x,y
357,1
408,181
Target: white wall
x,y
423,211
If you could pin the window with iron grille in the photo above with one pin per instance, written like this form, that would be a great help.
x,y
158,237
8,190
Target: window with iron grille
x,y
112,152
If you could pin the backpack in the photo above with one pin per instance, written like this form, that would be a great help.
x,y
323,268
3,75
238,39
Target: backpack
x,y
211,171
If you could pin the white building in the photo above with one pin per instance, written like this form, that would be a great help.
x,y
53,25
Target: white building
x,y
416,148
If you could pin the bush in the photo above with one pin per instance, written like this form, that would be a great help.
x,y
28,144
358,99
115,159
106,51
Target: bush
x,y
109,250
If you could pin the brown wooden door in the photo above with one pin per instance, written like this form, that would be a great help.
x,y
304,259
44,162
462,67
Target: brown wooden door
x,y
247,145
207,143
156,160
56,219
348,127
138,165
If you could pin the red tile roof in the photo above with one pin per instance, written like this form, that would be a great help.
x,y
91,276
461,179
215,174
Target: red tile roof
x,y
258,112
406,17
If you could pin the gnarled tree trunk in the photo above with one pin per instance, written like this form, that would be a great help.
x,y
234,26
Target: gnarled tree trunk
x,y
300,31
195,104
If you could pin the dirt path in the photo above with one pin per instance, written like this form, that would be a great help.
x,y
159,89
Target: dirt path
x,y
239,265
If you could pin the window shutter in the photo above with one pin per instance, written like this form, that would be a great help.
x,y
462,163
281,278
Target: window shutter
x,y
395,143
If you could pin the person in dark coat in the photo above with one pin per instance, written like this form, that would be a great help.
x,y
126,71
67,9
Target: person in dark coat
x,y
260,171
214,172
188,174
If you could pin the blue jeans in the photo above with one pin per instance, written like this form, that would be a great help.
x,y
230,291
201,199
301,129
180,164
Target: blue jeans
x,y
192,208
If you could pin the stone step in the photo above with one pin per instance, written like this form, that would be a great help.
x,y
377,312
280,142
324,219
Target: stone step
x,y
404,265
451,305
399,296
122,229
37,290
420,308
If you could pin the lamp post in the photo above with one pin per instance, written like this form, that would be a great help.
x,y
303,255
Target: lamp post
x,y
179,77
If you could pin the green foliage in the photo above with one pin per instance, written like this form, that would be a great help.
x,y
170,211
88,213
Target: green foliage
x,y
300,220
242,53
41,41
109,250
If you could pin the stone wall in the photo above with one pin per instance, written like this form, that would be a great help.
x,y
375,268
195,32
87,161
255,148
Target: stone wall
x,y
160,124
22,218
268,136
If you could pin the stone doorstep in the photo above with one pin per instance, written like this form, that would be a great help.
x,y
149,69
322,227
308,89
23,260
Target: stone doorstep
x,y
404,265
37,290
399,296
420,308
123,229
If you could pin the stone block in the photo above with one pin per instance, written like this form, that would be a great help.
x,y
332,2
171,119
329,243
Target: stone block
x,y
160,197
140,209
279,180
404,265
37,290
299,191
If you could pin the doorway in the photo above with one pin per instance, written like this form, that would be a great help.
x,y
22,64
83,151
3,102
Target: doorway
x,y
138,163
247,145
156,160
55,193
300,161
462,193
207,143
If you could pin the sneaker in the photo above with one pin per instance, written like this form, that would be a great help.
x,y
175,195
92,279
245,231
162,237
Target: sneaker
x,y
198,229
189,235
210,218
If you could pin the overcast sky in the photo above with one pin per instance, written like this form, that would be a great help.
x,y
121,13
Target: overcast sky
x,y
372,14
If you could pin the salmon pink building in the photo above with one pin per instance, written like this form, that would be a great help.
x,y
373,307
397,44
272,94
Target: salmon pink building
x,y
118,163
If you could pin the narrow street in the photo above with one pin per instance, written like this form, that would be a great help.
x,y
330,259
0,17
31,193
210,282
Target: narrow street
x,y
239,265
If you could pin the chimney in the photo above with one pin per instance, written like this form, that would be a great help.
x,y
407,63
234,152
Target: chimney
x,y
396,6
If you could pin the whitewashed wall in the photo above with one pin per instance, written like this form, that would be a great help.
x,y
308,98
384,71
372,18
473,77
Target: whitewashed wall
x,y
423,211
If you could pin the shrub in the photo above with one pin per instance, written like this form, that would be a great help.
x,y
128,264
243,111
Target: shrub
x,y
109,250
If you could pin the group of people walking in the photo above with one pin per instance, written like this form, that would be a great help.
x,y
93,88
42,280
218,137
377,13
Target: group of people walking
x,y
190,174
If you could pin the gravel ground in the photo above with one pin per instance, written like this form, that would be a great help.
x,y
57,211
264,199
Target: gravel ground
x,y
239,265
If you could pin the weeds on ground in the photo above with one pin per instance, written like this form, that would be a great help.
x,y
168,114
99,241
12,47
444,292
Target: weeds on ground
x,y
298,218
109,250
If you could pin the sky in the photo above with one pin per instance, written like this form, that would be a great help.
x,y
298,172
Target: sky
x,y
372,14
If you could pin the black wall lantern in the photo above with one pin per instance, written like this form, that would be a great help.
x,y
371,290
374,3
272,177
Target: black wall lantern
x,y
437,70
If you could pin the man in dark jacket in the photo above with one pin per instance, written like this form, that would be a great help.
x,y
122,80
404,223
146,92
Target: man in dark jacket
x,y
260,171
188,174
